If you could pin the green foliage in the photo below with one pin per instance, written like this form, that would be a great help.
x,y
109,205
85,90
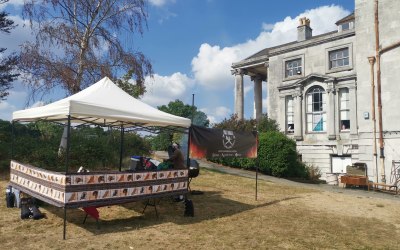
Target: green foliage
x,y
244,163
33,144
277,155
267,124
101,149
5,144
136,89
200,118
313,173
178,108
160,141
234,123
7,63
37,144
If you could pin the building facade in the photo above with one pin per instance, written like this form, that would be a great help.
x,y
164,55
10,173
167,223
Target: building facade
x,y
326,93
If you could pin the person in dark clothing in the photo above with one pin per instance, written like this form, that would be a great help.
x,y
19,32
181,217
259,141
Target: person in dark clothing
x,y
178,162
177,158
170,151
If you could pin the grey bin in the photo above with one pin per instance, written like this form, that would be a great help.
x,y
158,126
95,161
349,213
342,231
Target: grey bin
x,y
134,163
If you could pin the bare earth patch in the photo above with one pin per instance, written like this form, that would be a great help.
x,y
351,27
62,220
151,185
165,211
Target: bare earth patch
x,y
226,217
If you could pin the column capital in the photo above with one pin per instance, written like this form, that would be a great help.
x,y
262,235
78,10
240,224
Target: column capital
x,y
238,71
331,88
298,92
354,87
258,77
371,60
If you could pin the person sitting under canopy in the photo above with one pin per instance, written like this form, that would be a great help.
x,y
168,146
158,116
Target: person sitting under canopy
x,y
177,158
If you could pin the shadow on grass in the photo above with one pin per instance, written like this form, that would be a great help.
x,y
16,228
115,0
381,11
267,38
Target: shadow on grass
x,y
209,206
305,181
215,170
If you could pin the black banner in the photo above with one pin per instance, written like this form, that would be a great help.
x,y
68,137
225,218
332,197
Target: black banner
x,y
208,143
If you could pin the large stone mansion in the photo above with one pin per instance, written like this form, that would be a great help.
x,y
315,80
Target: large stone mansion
x,y
336,93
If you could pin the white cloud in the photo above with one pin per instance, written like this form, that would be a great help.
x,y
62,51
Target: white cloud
x,y
160,3
211,66
38,104
166,16
15,101
212,119
265,105
216,114
267,26
222,111
163,89
247,88
15,3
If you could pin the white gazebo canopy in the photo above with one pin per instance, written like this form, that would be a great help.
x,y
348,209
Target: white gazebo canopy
x,y
105,104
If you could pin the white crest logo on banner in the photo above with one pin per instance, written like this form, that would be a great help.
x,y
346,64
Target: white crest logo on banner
x,y
228,139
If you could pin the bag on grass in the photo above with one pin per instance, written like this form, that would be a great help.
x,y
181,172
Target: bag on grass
x,y
10,197
36,214
189,208
25,211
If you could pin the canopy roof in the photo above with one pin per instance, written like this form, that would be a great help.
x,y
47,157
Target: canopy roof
x,y
104,104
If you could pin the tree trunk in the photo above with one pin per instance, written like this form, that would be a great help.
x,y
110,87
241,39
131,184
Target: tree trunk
x,y
63,142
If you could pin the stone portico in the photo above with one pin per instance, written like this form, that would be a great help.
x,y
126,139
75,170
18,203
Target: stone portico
x,y
257,74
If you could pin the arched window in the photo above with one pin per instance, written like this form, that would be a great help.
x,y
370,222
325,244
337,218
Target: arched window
x,y
316,110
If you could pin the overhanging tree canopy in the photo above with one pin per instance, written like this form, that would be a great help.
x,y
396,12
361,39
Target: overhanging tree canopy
x,y
7,63
77,42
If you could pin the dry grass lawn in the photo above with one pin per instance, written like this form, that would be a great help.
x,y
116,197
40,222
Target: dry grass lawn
x,y
226,217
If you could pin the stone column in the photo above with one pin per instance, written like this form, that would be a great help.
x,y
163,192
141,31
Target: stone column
x,y
239,93
353,110
257,96
330,112
298,114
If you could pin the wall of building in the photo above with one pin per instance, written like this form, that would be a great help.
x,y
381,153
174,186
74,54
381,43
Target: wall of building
x,y
314,62
389,26
316,148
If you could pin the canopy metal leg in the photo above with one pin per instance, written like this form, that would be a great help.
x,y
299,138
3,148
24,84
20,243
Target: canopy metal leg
x,y
257,163
65,222
154,204
256,181
121,151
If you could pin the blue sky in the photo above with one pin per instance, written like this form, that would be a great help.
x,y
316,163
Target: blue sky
x,y
192,44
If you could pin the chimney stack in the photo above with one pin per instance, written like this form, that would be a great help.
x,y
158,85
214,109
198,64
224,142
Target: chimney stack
x,y
304,30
